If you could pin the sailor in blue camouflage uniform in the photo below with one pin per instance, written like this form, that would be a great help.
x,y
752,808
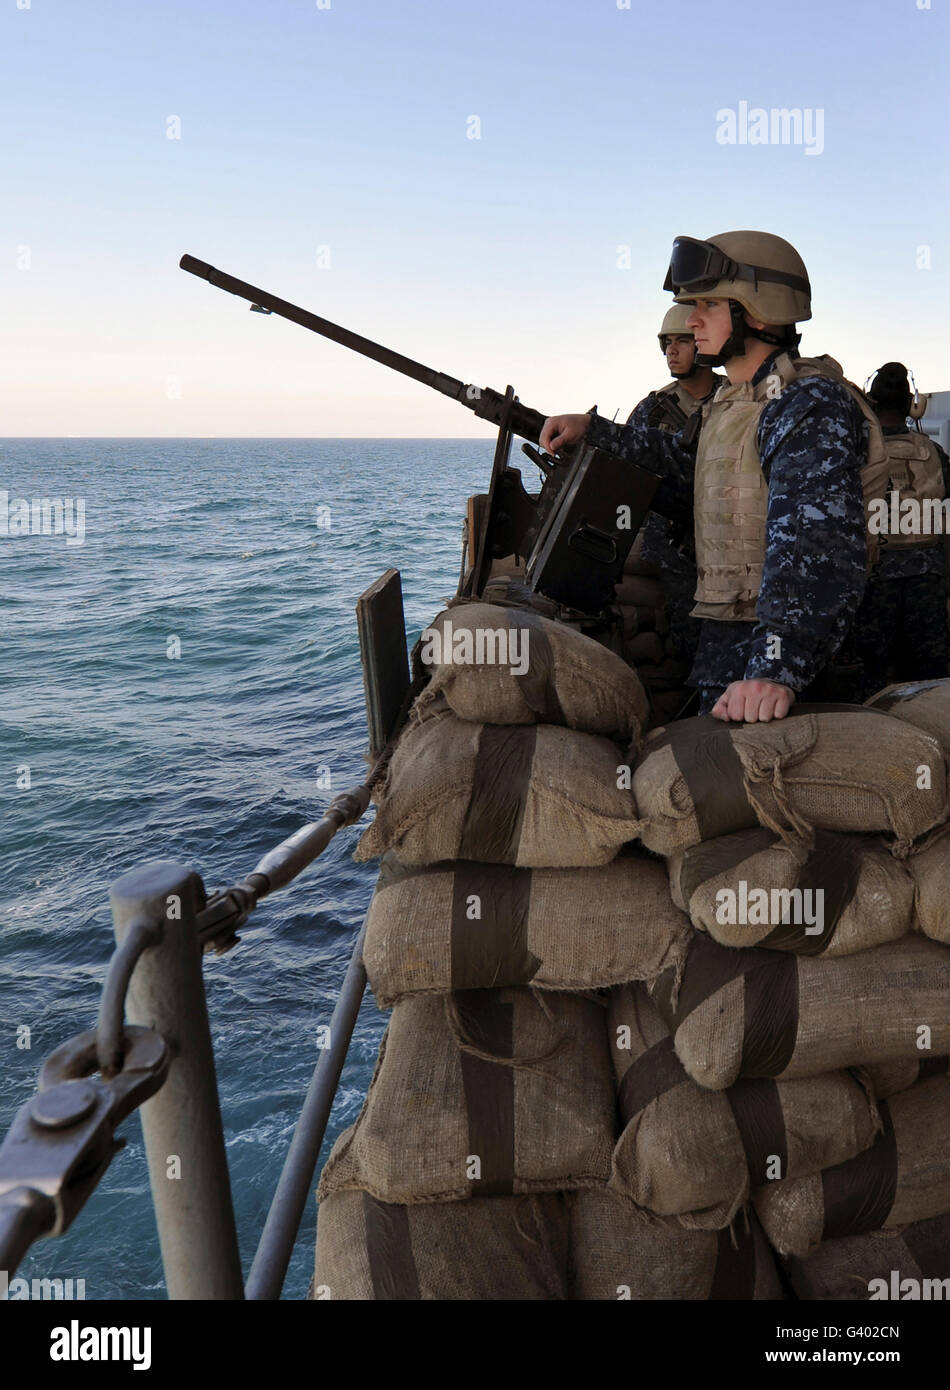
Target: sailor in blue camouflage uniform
x,y
777,502
661,543
900,632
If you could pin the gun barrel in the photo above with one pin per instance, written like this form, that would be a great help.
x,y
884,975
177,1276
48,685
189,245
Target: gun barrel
x,y
486,403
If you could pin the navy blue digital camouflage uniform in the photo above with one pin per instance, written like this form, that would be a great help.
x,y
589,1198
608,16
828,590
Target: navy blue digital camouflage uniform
x,y
900,631
812,443
670,546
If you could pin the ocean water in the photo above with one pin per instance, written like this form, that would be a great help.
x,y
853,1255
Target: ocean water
x,y
252,554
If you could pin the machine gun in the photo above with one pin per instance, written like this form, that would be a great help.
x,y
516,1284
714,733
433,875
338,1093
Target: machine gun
x,y
576,534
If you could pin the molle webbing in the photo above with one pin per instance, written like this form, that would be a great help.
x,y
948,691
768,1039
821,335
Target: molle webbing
x,y
392,1268
495,944
730,506
538,684
731,492
858,1195
489,1090
496,807
915,473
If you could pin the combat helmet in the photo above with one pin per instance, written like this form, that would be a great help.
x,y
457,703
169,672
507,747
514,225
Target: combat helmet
x,y
674,323
760,274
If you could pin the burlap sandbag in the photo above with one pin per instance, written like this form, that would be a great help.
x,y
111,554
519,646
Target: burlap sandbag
x,y
912,1264
930,871
441,1122
925,704
904,1176
767,1013
509,666
829,767
697,1154
620,1254
528,794
497,1248
465,925
849,886
887,1078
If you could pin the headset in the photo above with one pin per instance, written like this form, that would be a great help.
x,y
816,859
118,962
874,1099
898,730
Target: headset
x,y
919,403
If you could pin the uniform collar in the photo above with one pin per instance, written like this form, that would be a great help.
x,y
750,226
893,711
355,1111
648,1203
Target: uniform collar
x,y
769,364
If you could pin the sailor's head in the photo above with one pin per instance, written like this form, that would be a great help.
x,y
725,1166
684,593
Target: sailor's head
x,y
890,393
739,285
676,342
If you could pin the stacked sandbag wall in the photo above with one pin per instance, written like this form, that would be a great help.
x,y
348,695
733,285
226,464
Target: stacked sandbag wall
x,y
664,1018
511,896
810,1026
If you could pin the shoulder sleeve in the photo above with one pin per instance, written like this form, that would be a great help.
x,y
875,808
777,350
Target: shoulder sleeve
x,y
812,442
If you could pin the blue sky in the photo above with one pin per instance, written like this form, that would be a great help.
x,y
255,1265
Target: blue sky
x,y
341,133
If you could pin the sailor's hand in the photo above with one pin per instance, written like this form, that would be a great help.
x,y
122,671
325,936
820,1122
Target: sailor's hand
x,y
754,701
561,431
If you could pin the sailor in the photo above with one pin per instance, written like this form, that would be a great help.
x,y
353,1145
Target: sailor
x,y
900,632
661,542
778,502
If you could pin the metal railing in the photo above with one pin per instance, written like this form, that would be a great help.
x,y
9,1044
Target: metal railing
x,y
62,1140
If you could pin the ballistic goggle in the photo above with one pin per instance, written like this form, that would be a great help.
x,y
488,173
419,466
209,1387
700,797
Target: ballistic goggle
x,y
698,265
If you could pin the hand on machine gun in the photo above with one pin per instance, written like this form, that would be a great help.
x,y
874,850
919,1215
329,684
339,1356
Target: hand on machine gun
x,y
561,431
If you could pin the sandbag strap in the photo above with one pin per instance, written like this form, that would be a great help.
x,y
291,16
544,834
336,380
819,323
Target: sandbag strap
x,y
392,1268
858,1195
499,794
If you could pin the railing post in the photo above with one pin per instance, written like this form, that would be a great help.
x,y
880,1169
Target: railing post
x,y
184,1139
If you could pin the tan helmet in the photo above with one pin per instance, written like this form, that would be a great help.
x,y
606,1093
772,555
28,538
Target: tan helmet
x,y
674,322
762,272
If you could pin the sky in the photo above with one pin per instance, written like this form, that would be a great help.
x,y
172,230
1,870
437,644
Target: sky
x,y
489,186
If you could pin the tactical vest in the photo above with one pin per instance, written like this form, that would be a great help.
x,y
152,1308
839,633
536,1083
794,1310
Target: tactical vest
x,y
915,473
673,406
731,492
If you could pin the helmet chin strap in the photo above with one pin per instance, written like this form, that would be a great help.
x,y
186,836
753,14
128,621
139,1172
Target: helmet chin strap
x,y
735,344
685,376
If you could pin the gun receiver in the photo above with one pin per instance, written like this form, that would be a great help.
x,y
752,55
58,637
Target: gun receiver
x,y
482,401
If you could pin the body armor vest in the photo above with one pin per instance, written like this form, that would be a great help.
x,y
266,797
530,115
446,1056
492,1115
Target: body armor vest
x,y
914,471
673,406
731,492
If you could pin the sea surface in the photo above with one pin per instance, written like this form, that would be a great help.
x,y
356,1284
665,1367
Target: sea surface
x,y
252,554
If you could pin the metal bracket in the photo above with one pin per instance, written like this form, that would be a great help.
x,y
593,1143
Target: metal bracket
x,y
62,1140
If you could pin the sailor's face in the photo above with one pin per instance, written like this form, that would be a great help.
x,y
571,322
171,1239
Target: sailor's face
x,y
680,351
711,323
